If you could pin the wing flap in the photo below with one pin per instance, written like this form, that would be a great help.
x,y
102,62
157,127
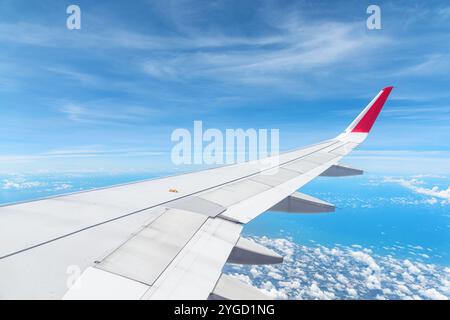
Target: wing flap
x,y
302,203
249,252
145,256
45,271
229,288
341,171
194,272
96,284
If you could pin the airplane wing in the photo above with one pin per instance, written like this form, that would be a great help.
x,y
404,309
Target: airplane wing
x,y
165,238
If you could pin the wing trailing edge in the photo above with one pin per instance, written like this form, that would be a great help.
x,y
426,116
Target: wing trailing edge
x,y
341,171
302,203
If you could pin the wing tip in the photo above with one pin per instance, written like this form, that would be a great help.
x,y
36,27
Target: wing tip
x,y
388,88
368,119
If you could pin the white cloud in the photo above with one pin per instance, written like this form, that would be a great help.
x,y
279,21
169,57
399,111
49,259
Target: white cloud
x,y
317,293
352,292
434,294
21,183
416,185
62,186
411,267
364,257
340,272
8,184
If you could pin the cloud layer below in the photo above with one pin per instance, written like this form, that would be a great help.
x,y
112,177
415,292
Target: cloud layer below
x,y
343,272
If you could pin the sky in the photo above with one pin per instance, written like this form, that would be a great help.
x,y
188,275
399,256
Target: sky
x,y
107,97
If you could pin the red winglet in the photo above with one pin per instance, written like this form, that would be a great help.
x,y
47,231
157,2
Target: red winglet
x,y
367,121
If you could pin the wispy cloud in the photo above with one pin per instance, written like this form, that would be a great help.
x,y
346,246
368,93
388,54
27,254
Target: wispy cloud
x,y
422,112
50,36
444,12
82,77
104,112
431,65
290,54
417,186
402,162
296,50
80,152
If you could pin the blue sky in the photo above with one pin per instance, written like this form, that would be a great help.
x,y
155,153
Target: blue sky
x,y
108,96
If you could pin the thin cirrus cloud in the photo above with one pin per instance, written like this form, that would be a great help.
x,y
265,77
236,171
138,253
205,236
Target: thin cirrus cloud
x,y
295,49
106,113
430,65
294,43
96,151
82,77
401,162
51,36
80,152
295,46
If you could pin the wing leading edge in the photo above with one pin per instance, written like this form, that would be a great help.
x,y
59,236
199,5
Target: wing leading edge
x,y
139,241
